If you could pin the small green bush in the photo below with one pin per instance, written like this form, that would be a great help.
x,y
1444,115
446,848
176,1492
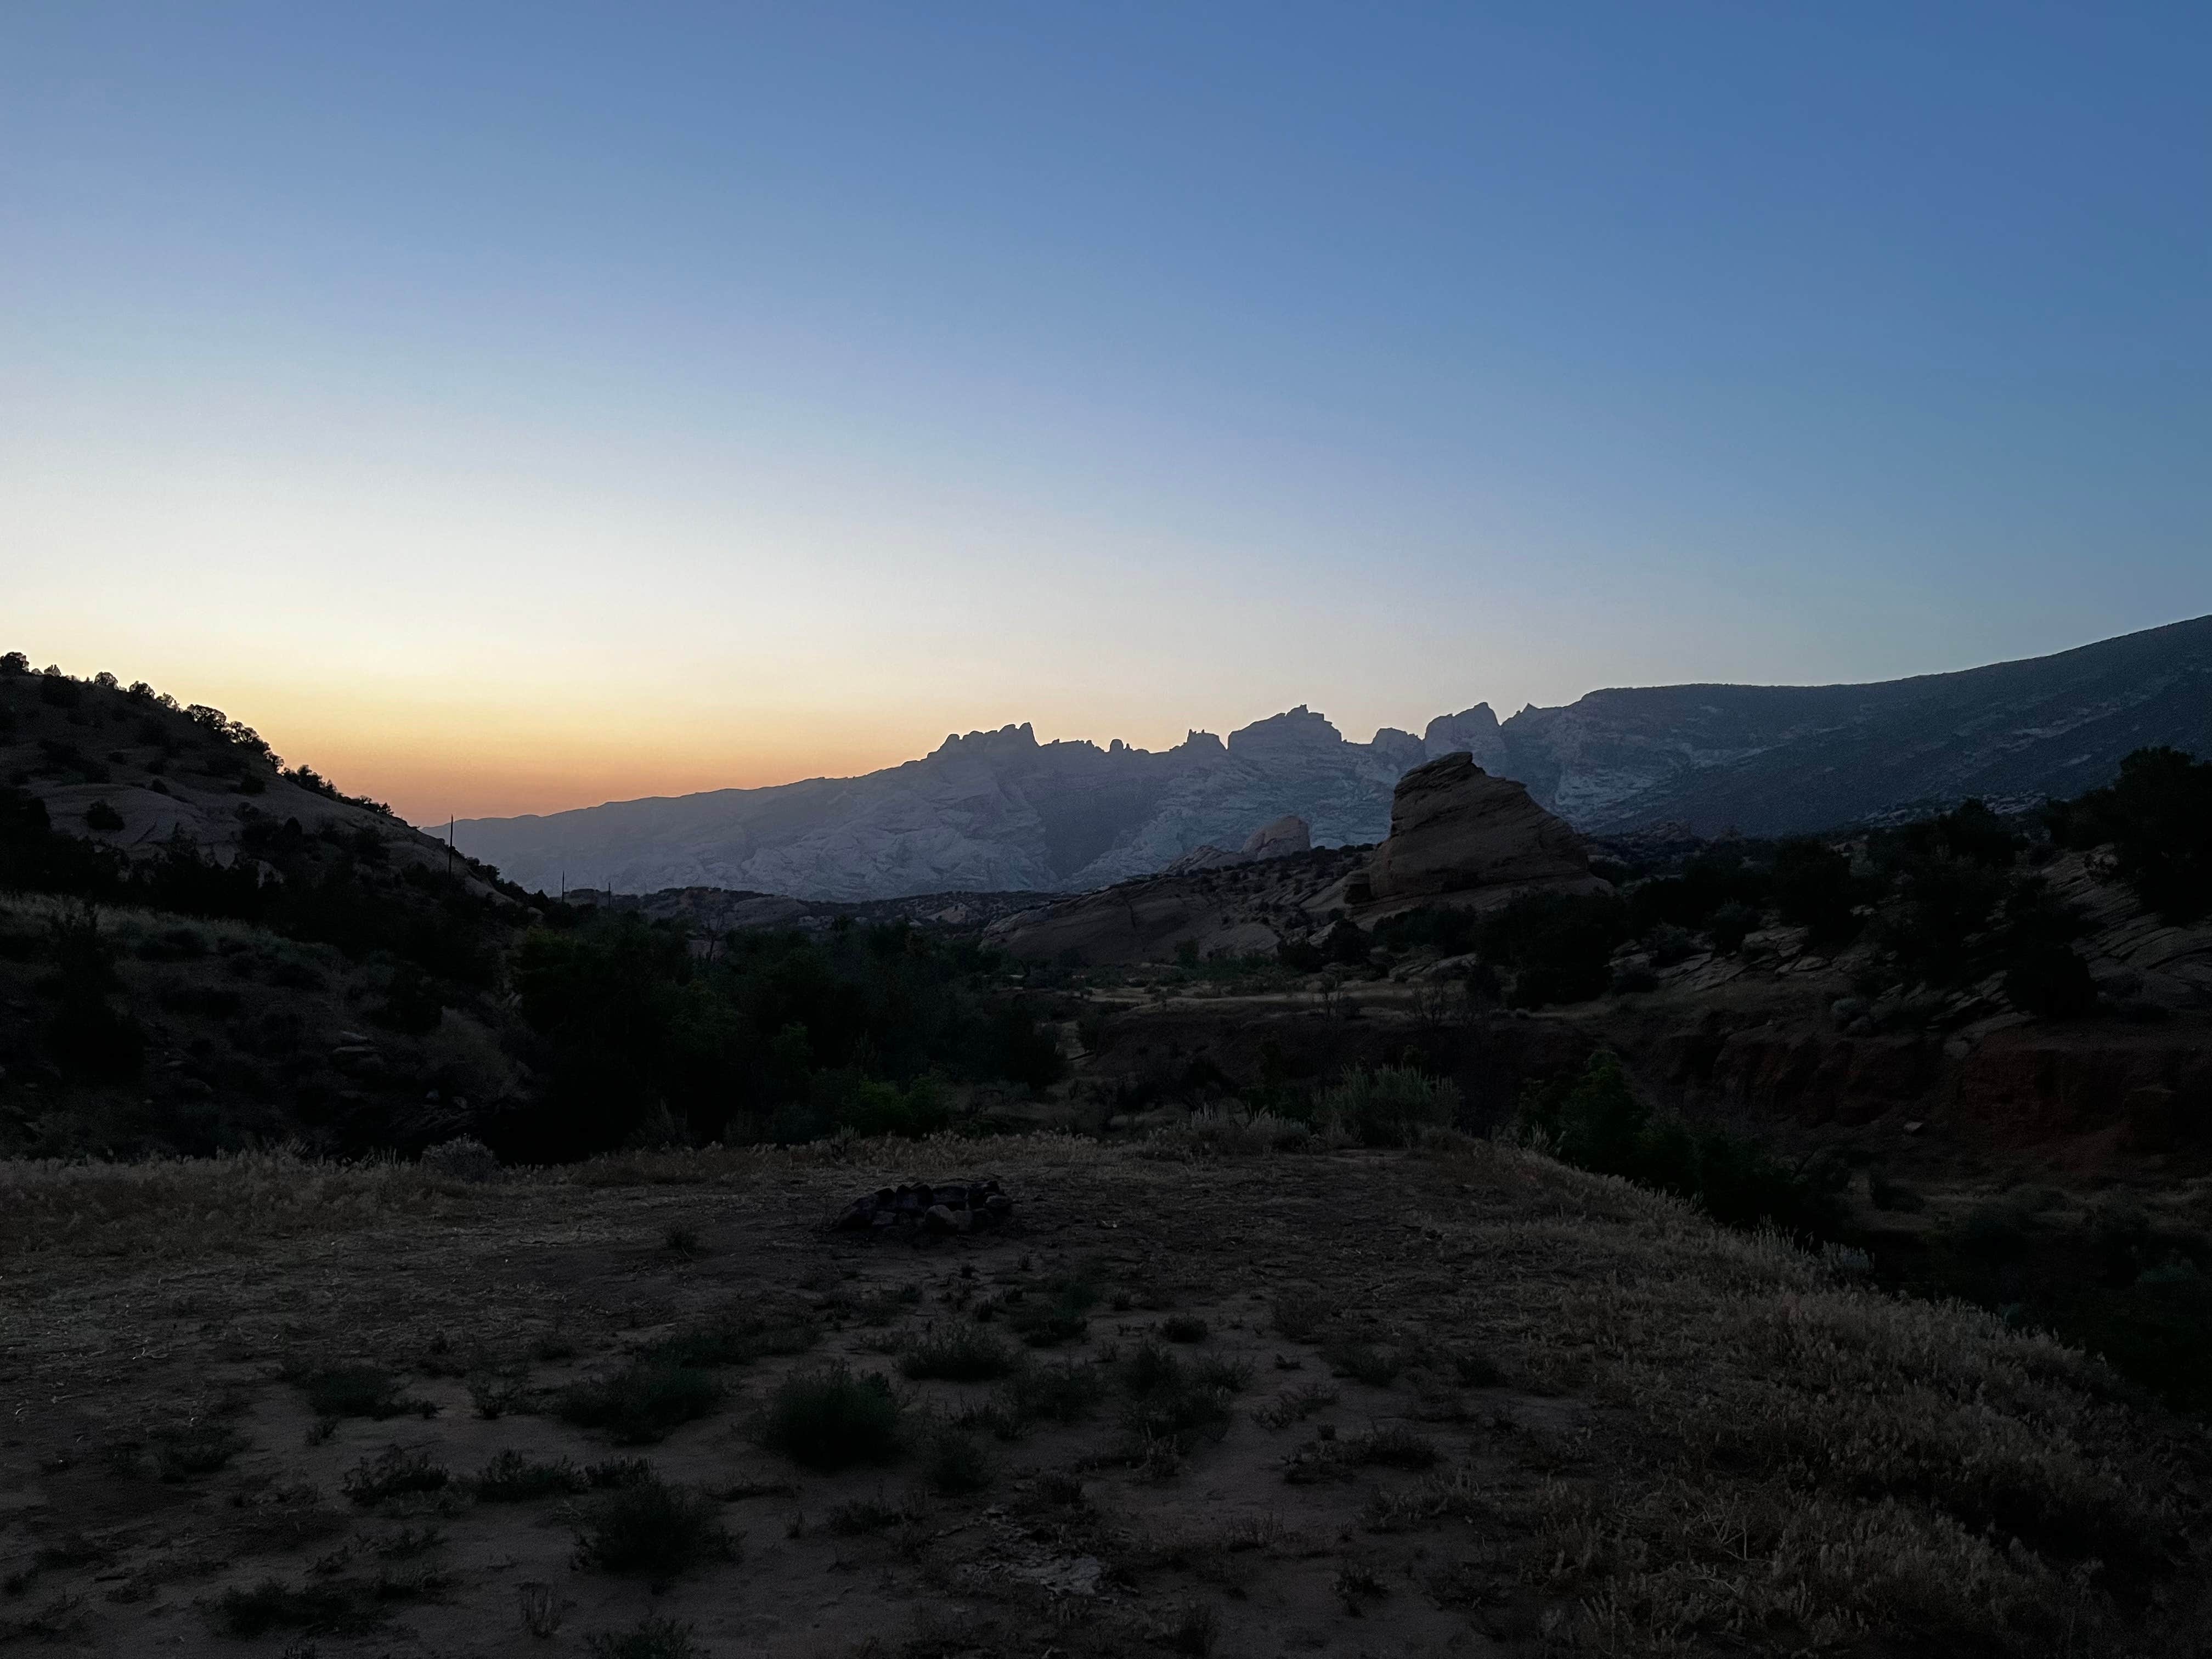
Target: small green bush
x,y
1299,1313
1174,1404
1046,1324
1062,1393
642,1402
198,1449
1183,1328
735,1342
511,1478
1389,1106
273,1604
654,1529
1363,1362
1594,1122
953,1463
394,1474
357,1391
828,1418
959,1353
1396,1447
654,1638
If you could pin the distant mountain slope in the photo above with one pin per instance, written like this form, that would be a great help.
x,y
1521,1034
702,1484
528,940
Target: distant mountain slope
x,y
1774,760
998,810
992,810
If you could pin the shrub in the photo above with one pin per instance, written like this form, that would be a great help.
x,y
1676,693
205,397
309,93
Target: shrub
x,y
1595,1122
511,1478
195,1449
272,1605
357,1391
953,1462
1298,1314
652,1527
654,1638
1063,1319
463,1158
1183,1328
642,1402
1389,1106
1363,1362
1173,1405
1559,946
735,1342
1814,889
828,1418
2157,817
394,1473
1062,1393
1396,1447
959,1353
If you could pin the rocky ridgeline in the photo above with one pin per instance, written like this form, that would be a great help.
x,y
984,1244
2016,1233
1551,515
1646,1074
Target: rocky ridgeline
x,y
999,812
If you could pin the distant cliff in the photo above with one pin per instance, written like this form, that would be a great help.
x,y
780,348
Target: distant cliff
x,y
998,810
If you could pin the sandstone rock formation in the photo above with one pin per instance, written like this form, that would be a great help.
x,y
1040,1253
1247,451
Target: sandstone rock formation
x,y
1455,829
1285,835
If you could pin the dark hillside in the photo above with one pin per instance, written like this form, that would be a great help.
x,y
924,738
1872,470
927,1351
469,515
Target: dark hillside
x,y
1788,760
202,948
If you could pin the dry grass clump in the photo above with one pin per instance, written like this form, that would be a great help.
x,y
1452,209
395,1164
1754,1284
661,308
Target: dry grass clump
x,y
395,1473
641,1402
654,1637
511,1478
828,1418
185,1207
1811,1457
959,1353
653,1528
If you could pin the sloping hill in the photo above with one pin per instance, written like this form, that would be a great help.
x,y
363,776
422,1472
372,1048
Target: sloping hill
x,y
1779,760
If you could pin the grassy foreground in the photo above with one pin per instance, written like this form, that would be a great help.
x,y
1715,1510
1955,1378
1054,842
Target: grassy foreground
x,y
1461,1401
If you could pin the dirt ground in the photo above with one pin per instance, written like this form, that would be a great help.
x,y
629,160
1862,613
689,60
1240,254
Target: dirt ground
x,y
1474,1402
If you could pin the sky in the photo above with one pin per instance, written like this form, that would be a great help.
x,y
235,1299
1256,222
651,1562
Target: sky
x,y
511,407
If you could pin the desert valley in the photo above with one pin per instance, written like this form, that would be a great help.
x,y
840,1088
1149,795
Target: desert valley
x,y
1495,1238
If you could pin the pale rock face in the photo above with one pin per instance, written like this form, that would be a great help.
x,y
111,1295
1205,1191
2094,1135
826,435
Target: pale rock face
x,y
998,810
1473,732
1454,829
1285,837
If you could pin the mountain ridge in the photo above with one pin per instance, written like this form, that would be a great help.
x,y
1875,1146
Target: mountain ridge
x,y
997,809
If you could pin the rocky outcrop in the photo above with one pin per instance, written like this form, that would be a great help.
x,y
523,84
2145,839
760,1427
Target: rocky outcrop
x,y
1280,839
1455,829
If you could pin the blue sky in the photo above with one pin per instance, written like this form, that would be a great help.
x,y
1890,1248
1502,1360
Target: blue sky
x,y
515,407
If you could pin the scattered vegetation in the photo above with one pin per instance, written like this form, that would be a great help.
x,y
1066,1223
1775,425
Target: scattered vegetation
x,y
395,1473
654,1637
959,1353
651,1528
641,1402
511,1478
1594,1122
828,1418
